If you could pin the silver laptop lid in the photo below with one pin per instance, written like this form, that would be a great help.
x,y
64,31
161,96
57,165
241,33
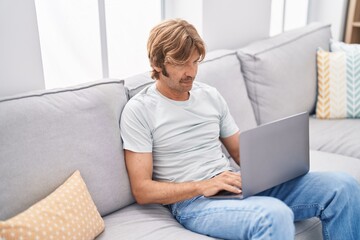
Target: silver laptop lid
x,y
274,153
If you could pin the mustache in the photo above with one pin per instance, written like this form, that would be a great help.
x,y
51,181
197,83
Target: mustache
x,y
188,78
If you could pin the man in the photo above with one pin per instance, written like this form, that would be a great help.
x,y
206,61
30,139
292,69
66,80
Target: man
x,y
172,133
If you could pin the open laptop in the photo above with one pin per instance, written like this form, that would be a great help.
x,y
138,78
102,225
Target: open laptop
x,y
272,154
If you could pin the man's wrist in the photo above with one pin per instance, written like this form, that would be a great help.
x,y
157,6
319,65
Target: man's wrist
x,y
199,187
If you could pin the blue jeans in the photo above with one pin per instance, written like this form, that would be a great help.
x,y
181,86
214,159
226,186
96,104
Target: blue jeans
x,y
333,197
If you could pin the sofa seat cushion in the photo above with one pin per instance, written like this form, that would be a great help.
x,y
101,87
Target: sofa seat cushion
x,y
336,136
323,161
145,222
46,135
308,229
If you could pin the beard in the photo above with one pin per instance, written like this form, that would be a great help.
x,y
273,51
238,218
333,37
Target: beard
x,y
166,74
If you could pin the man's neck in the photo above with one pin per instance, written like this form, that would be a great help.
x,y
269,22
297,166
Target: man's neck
x,y
173,95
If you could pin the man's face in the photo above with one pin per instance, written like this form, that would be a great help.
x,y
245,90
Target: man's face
x,y
179,78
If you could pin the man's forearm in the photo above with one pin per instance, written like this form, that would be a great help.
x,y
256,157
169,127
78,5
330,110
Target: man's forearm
x,y
166,192
150,191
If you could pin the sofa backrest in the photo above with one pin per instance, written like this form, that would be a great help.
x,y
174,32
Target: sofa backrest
x,y
136,83
45,136
280,72
222,70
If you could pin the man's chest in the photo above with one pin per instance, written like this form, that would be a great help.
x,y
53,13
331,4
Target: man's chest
x,y
182,128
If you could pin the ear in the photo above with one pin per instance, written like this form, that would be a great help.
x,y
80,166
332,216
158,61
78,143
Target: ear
x,y
157,69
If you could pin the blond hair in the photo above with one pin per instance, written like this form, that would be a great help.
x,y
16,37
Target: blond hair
x,y
173,41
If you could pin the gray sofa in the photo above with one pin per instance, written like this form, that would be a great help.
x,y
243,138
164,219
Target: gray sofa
x,y
46,135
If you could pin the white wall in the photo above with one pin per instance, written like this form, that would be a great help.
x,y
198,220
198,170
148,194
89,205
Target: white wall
x,y
190,10
228,24
296,13
329,11
127,34
20,57
234,23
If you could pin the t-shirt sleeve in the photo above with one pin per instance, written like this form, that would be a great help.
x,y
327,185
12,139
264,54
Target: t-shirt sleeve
x,y
228,126
134,127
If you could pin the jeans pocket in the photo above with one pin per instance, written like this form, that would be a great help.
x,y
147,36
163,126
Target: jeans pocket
x,y
179,207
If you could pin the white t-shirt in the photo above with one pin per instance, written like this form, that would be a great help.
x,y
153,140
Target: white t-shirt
x,y
183,136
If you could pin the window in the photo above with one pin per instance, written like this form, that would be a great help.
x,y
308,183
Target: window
x,y
287,15
128,24
70,38
69,41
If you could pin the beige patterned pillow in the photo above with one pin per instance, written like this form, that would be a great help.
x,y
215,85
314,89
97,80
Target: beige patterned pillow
x,y
67,213
338,84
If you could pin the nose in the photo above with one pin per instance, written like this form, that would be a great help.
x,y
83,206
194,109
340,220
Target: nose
x,y
191,70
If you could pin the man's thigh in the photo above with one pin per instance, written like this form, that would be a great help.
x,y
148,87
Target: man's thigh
x,y
257,217
309,194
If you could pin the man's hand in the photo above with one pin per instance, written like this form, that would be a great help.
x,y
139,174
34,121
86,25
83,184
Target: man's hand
x,y
229,181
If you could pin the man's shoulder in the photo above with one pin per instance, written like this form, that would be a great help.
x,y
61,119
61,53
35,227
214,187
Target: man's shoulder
x,y
142,101
144,96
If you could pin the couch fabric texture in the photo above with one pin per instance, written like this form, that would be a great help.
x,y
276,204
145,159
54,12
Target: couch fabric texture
x,y
47,135
282,71
51,134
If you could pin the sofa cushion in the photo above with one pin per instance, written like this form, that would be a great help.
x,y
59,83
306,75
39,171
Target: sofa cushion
x,y
46,135
338,84
280,72
150,222
62,213
336,136
136,83
324,161
221,69
308,229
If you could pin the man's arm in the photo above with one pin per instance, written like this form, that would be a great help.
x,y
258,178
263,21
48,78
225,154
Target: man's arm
x,y
146,190
232,145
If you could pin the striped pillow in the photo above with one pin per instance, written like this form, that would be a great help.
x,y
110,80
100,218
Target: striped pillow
x,y
338,84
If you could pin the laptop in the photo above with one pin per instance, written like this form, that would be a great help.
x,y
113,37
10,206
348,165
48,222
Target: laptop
x,y
272,154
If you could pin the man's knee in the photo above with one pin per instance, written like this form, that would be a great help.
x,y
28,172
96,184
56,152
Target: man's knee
x,y
345,186
275,220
